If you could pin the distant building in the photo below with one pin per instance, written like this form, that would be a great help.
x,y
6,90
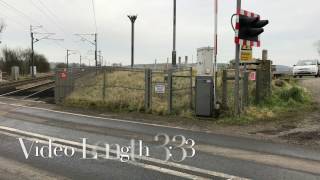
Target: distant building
x,y
116,65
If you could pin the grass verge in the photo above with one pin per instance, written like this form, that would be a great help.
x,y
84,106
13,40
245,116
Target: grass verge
x,y
287,100
123,92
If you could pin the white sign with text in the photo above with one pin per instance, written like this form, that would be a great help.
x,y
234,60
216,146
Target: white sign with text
x,y
160,88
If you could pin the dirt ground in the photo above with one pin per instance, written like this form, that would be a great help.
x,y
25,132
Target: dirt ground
x,y
307,128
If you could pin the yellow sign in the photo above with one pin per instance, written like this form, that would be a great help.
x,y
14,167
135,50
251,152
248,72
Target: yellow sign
x,y
246,54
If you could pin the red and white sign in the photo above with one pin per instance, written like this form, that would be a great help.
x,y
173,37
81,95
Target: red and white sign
x,y
244,42
253,76
63,75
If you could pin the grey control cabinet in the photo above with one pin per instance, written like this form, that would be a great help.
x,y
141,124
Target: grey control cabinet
x,y
204,96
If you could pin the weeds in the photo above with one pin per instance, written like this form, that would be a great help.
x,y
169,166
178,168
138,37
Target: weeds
x,y
289,98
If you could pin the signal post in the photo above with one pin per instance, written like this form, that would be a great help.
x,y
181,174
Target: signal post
x,y
248,28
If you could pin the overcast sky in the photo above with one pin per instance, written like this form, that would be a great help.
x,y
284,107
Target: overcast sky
x,y
294,28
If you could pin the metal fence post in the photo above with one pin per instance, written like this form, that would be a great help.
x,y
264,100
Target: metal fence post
x,y
224,89
148,92
170,91
191,89
237,75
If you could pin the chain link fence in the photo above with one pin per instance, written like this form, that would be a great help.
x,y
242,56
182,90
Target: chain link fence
x,y
126,89
182,89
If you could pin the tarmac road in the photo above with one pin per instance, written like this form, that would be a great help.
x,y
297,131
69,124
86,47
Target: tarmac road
x,y
216,157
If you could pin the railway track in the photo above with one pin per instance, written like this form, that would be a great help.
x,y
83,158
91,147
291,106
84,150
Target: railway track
x,y
33,88
12,86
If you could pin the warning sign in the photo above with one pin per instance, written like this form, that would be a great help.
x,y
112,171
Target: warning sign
x,y
246,54
253,76
63,75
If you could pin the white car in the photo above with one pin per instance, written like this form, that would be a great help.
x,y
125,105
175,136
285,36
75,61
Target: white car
x,y
306,68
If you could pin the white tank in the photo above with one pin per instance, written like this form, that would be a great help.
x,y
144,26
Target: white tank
x,y
205,61
15,73
34,70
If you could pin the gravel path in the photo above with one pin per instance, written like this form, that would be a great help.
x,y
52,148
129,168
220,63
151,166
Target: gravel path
x,y
313,85
307,130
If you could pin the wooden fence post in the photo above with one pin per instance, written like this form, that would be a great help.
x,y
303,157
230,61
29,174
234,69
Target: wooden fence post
x,y
224,89
246,89
264,78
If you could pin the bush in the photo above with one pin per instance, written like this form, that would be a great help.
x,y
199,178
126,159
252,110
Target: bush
x,y
22,59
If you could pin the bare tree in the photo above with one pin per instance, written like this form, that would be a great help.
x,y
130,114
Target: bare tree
x,y
2,25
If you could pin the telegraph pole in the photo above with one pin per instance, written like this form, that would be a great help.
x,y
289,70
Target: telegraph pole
x,y
96,48
174,52
237,75
67,58
32,52
132,19
215,52
80,60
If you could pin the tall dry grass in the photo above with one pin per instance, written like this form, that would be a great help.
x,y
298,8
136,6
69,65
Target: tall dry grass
x,y
123,91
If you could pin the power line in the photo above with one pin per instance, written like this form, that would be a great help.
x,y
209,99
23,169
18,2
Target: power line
x,y
46,14
55,18
24,26
58,45
49,11
21,13
94,15
55,42
94,43
13,20
24,15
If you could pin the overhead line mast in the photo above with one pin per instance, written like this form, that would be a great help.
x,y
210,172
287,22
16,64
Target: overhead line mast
x,y
94,43
35,40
